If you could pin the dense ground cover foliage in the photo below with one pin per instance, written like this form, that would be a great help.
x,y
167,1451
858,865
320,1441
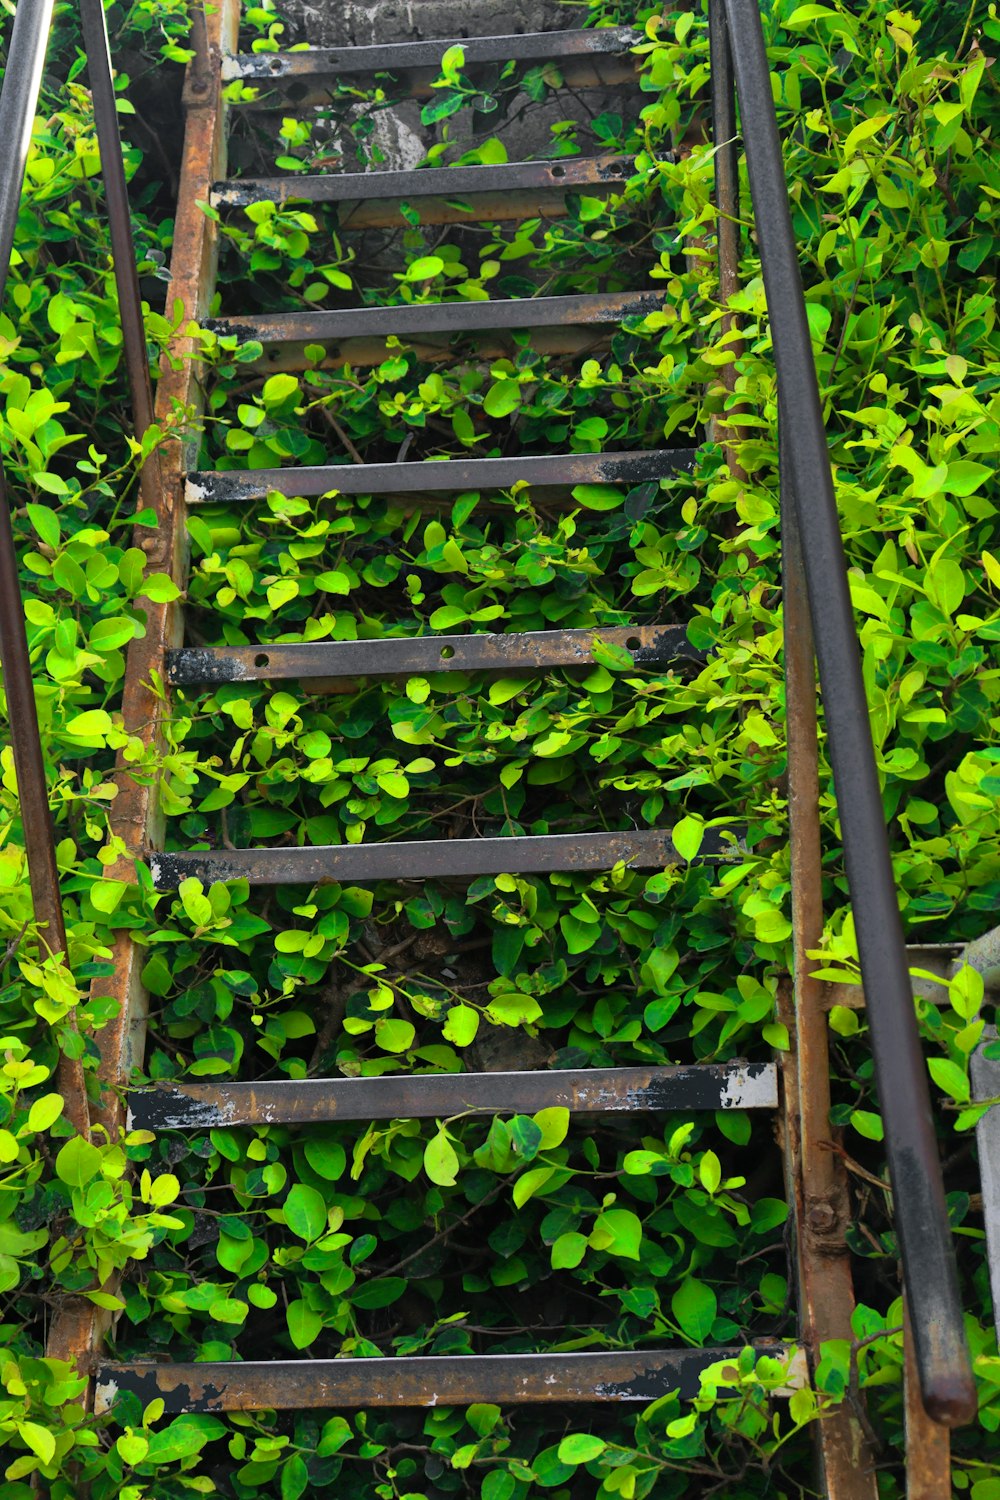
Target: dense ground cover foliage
x,y
515,1234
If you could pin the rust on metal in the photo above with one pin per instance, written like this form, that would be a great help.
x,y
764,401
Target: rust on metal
x,y
419,319
203,1106
928,1444
427,859
435,349
404,58
585,59
573,174
816,1182
400,656
920,1211
504,1379
561,471
78,1326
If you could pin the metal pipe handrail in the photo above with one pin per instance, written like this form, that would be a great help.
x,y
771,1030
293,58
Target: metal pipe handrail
x,y
18,103
919,1208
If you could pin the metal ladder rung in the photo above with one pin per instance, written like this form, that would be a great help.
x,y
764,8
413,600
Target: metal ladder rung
x,y
423,318
445,1380
431,859
399,656
283,68
191,1105
561,471
571,174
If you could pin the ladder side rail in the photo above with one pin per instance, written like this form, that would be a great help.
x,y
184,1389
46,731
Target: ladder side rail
x,y
926,1248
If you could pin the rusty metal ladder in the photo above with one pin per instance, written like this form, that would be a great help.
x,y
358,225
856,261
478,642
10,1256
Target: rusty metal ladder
x,y
816,1190
373,199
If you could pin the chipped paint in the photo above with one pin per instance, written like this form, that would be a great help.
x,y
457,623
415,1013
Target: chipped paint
x,y
706,1086
419,859
650,645
640,1375
441,476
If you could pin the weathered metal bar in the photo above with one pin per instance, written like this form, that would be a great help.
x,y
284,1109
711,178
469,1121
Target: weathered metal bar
x,y
571,174
202,1106
927,1443
423,318
504,1379
477,210
78,1326
573,339
102,89
727,203
986,1085
920,1212
448,476
398,656
405,57
641,848
815,1177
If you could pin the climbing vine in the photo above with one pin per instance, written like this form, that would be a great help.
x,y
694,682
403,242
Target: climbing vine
x,y
523,1233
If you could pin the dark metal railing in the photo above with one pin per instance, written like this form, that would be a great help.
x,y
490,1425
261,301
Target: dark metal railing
x,y
18,103
809,502
740,67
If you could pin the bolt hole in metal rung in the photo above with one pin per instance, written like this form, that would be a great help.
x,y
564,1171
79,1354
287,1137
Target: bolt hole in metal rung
x,y
397,656
640,1375
409,57
595,173
586,59
205,1106
434,859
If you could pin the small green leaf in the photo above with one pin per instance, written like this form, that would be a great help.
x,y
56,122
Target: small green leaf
x,y
568,1250
394,1035
554,1125
45,1111
619,1231
710,1172
441,1160
278,388
294,1478
461,1025
78,1163
305,1212
304,1325
687,836
581,1448
425,268
161,588
695,1305
950,1078
502,398
867,1124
